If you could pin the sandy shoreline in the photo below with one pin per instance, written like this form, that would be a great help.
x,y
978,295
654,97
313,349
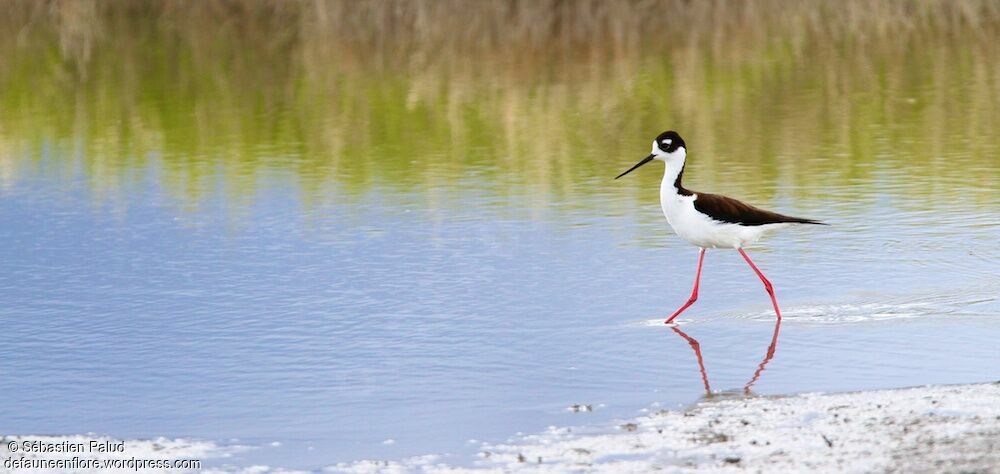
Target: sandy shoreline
x,y
953,428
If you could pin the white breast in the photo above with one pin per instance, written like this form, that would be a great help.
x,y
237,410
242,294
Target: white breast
x,y
699,229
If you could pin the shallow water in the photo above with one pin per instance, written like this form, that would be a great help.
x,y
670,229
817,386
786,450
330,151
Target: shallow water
x,y
441,267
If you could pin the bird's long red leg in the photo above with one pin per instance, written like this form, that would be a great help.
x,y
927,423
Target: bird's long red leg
x,y
694,292
767,284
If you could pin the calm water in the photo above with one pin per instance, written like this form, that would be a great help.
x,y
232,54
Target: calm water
x,y
335,256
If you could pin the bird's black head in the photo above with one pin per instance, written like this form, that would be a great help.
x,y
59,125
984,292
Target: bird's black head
x,y
665,148
669,141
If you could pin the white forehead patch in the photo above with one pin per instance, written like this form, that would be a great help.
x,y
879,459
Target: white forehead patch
x,y
668,141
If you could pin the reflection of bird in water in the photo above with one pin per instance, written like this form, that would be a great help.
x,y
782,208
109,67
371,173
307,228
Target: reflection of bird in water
x,y
756,375
709,220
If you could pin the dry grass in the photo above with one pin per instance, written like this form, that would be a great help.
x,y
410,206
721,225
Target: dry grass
x,y
417,32
518,87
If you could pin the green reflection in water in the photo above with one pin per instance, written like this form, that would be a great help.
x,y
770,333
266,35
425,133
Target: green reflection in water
x,y
220,101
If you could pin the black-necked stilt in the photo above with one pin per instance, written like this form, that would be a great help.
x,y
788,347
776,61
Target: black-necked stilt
x,y
709,220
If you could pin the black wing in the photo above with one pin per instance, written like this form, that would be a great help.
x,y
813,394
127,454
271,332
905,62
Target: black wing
x,y
725,209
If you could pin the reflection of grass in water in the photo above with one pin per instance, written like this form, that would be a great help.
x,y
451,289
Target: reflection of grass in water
x,y
805,96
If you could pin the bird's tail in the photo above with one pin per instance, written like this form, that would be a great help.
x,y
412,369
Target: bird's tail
x,y
802,220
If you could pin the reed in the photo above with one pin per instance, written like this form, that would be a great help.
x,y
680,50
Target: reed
x,y
415,32
536,94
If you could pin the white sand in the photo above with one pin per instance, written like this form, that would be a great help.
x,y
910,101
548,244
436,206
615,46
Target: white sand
x,y
924,429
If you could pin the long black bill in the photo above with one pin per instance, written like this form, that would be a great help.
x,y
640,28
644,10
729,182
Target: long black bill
x,y
644,161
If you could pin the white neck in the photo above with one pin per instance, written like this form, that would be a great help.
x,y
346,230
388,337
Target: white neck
x,y
673,168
